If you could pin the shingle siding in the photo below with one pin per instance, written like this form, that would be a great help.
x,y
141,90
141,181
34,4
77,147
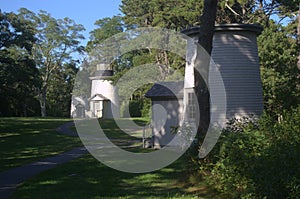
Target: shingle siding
x,y
236,55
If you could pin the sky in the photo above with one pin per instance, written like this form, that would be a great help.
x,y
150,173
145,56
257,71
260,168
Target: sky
x,y
84,12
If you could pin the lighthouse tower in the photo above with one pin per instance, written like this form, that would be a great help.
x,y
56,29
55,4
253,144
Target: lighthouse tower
x,y
104,100
235,53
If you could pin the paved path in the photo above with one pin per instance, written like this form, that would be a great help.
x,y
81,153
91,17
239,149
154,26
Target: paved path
x,y
10,179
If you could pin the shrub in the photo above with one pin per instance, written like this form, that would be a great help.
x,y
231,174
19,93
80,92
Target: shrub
x,y
134,108
146,109
258,161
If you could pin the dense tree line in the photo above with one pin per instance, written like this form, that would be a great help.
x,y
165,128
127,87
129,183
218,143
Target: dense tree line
x,y
18,70
36,64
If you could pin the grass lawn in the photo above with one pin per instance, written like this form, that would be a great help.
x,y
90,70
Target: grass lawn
x,y
87,178
24,140
133,136
112,131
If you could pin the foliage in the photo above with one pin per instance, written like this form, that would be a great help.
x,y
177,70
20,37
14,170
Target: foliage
x,y
133,106
280,75
137,108
106,28
18,73
178,15
284,7
181,14
146,108
60,90
56,40
35,55
257,163
169,14
238,11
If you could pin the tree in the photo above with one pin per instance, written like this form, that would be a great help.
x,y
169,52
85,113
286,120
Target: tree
x,y
178,15
280,76
171,14
18,73
205,40
106,28
165,14
60,88
56,40
237,11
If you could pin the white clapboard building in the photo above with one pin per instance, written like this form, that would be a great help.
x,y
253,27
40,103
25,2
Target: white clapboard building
x,y
235,54
103,101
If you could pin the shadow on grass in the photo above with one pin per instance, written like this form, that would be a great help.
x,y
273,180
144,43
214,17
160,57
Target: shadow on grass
x,y
87,178
112,130
24,140
133,137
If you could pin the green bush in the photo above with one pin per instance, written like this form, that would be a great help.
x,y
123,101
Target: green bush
x,y
146,109
135,107
259,161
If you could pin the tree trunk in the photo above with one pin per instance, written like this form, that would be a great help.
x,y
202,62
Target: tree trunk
x,y
42,99
206,33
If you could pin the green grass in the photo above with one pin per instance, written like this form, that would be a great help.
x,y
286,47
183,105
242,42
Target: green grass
x,y
112,131
87,178
24,140
133,137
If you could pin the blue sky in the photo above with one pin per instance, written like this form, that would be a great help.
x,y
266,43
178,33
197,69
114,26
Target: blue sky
x,y
82,12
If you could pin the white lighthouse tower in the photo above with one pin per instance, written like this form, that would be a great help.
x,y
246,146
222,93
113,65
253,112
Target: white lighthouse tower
x,y
235,53
104,100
